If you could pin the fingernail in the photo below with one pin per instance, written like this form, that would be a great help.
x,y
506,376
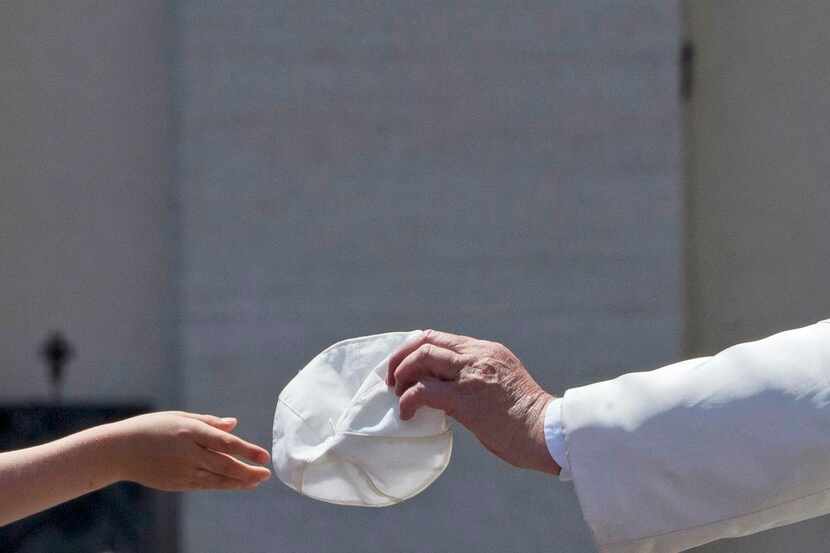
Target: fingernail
x,y
229,419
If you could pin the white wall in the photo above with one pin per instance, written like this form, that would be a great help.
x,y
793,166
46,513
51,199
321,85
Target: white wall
x,y
505,171
87,237
509,171
758,188
758,169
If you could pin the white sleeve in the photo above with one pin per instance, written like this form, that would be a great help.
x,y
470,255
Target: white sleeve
x,y
555,438
709,448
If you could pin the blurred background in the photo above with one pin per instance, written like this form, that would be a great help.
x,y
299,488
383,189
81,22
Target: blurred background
x,y
199,196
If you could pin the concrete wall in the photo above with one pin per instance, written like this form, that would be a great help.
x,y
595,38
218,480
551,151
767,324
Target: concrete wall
x,y
86,211
506,171
509,172
88,237
759,173
758,188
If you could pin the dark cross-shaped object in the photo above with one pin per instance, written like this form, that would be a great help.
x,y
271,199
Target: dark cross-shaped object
x,y
57,352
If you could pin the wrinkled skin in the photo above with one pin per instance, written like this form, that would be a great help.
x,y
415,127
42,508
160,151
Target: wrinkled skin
x,y
483,386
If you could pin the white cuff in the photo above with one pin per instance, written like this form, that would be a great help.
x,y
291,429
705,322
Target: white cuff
x,y
555,438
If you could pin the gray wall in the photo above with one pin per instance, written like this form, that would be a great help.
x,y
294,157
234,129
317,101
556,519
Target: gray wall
x,y
759,171
87,211
505,171
86,223
757,143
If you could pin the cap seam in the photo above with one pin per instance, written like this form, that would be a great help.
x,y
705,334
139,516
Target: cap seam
x,y
367,477
445,463
305,423
364,435
292,409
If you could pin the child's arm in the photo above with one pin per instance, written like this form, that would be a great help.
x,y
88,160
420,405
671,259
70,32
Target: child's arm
x,y
171,451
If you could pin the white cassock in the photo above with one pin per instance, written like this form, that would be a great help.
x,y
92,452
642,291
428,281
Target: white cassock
x,y
709,448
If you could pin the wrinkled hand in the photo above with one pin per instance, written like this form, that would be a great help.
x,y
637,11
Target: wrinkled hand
x,y
483,386
176,451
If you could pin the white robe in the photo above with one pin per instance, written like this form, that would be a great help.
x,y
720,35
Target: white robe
x,y
709,448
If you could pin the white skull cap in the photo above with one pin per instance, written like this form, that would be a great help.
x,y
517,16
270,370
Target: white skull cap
x,y
338,436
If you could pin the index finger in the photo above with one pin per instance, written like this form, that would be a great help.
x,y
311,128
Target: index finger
x,y
225,442
437,338
223,423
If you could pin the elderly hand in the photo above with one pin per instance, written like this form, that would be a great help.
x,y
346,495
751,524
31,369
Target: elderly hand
x,y
177,451
483,386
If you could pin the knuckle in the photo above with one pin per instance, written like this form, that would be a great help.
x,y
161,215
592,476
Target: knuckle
x,y
496,347
483,371
488,372
184,432
423,352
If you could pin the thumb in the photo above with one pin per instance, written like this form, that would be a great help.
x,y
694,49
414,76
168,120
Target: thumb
x,y
430,392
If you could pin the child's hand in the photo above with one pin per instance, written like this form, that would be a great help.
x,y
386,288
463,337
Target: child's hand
x,y
176,451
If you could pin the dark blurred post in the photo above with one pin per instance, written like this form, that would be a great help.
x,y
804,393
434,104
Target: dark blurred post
x,y
57,352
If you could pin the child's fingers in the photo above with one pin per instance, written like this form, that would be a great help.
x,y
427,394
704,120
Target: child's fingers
x,y
223,423
206,480
224,442
229,467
